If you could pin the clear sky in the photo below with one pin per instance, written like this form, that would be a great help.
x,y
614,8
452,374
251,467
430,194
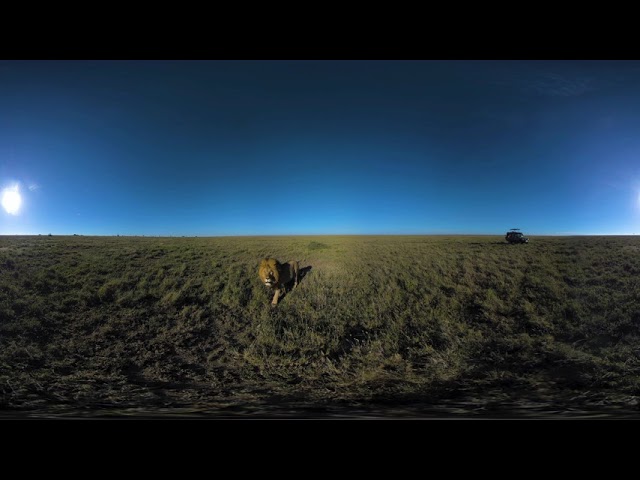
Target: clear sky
x,y
319,147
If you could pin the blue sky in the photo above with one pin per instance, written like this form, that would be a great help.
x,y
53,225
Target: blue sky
x,y
357,147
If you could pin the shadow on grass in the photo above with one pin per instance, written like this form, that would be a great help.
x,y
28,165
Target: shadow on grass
x,y
302,272
441,400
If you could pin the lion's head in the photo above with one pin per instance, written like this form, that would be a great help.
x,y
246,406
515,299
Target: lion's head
x,y
269,272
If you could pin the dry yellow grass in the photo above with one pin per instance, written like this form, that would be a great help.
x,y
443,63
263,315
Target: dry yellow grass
x,y
391,324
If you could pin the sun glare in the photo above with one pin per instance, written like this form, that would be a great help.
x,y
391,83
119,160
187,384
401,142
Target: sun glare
x,y
11,200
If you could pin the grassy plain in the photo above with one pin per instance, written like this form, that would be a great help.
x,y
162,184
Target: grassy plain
x,y
380,325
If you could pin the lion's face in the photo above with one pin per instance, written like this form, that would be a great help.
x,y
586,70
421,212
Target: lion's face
x,y
269,272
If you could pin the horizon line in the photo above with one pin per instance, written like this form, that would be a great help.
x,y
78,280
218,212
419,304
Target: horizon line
x,y
318,235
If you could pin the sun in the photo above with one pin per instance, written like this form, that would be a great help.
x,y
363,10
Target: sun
x,y
11,200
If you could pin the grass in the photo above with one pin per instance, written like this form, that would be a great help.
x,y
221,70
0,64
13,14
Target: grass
x,y
387,324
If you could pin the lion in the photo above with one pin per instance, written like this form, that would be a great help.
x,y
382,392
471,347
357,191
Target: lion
x,y
277,275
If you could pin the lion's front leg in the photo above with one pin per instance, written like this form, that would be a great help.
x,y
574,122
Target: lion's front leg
x,y
276,297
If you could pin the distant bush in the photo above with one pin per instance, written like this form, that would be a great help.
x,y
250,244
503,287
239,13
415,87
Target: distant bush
x,y
317,246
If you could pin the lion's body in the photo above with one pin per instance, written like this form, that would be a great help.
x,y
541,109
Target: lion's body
x,y
278,275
